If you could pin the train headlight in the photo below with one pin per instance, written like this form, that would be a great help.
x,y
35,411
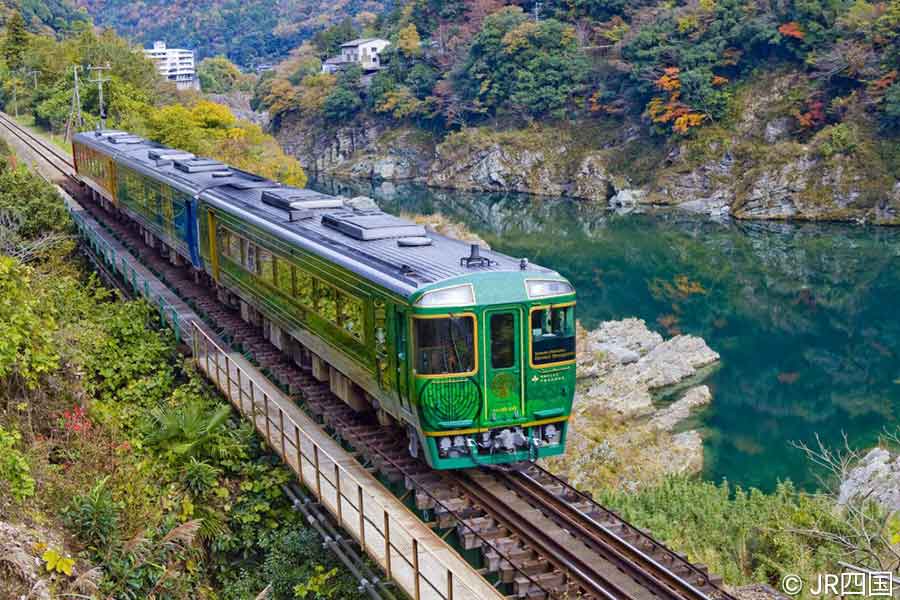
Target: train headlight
x,y
551,434
457,295
543,288
444,446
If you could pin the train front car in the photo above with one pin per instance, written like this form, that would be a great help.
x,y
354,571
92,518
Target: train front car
x,y
493,367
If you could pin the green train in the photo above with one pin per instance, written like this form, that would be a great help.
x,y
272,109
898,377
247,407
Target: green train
x,y
472,351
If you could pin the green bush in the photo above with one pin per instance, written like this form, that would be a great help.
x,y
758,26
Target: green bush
x,y
837,139
14,469
94,518
744,535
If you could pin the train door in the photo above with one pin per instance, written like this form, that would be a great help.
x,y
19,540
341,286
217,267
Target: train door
x,y
503,364
401,339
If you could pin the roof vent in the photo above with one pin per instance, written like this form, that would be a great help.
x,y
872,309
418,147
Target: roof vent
x,y
293,198
377,226
299,215
414,242
222,173
169,154
199,165
126,139
252,184
475,259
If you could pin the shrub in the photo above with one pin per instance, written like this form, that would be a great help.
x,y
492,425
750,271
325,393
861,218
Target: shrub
x,y
14,469
743,535
837,139
94,517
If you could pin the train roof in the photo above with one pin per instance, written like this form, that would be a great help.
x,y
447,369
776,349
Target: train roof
x,y
402,256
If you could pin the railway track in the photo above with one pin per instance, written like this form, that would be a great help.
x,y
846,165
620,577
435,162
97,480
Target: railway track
x,y
537,534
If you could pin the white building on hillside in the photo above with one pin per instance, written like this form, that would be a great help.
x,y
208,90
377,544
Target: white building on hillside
x,y
363,52
175,64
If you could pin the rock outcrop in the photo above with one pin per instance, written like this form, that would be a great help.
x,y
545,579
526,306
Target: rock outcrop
x,y
764,165
622,362
620,435
876,477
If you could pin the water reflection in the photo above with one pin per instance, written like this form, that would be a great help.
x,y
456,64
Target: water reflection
x,y
804,316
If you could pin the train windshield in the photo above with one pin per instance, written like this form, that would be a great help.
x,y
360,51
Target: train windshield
x,y
552,334
445,345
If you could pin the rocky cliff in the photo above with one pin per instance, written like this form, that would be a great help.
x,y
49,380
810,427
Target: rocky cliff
x,y
623,433
761,164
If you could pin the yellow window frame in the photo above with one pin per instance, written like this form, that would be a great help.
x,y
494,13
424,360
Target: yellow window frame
x,y
531,337
475,339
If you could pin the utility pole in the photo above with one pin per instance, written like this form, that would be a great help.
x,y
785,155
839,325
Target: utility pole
x,y
75,119
100,81
15,83
33,73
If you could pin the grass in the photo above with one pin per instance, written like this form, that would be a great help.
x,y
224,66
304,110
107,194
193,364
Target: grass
x,y
27,120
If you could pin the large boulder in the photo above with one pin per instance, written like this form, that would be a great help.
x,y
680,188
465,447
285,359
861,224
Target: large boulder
x,y
876,477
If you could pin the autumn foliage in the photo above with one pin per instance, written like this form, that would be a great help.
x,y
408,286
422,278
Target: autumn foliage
x,y
672,110
814,115
792,30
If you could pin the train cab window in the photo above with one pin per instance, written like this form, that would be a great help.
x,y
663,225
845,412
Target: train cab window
x,y
284,277
266,265
552,334
444,345
503,340
304,288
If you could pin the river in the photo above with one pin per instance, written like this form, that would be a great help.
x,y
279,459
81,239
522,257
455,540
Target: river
x,y
806,317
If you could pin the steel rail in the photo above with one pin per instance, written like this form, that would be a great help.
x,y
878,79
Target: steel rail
x,y
657,546
38,147
589,578
610,546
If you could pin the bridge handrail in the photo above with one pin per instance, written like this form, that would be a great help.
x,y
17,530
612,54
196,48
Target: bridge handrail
x,y
325,476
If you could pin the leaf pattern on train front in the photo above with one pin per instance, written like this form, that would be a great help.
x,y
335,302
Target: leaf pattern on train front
x,y
450,401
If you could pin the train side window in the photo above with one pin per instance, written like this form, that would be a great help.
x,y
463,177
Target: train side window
x,y
234,246
223,237
266,265
284,276
444,345
351,315
326,302
178,218
248,253
303,288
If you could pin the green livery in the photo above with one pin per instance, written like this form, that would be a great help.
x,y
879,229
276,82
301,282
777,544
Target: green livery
x,y
473,352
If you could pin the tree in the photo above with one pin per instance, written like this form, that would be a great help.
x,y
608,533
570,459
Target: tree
x,y
218,75
515,64
341,105
313,92
329,41
16,42
408,41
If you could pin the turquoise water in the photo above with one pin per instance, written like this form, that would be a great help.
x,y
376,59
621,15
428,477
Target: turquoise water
x,y
804,316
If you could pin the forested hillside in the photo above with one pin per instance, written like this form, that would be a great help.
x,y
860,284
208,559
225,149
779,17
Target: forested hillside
x,y
761,109
247,32
44,15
